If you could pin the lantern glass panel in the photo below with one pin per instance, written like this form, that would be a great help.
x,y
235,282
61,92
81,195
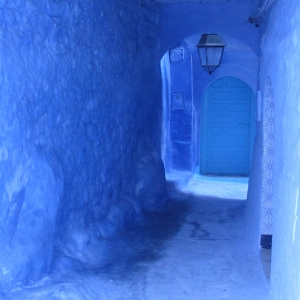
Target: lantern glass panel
x,y
210,49
202,55
213,56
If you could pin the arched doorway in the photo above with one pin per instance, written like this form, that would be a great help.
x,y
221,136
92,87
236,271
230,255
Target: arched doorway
x,y
227,128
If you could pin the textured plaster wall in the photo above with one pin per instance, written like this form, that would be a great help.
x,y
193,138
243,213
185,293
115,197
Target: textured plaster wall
x,y
181,109
182,20
281,64
261,181
166,95
79,139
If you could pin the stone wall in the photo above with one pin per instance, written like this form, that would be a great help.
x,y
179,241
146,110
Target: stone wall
x,y
79,118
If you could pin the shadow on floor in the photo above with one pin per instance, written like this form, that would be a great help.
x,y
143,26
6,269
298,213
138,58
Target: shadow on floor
x,y
195,249
146,242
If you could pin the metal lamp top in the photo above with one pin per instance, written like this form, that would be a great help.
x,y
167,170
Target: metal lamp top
x,y
210,40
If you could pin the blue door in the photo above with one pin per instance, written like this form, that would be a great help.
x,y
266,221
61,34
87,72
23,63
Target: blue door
x,y
227,128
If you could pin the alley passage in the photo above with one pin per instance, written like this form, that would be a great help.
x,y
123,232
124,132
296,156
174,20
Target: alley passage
x,y
196,249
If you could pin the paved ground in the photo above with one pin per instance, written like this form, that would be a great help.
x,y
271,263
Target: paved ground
x,y
197,249
211,186
209,258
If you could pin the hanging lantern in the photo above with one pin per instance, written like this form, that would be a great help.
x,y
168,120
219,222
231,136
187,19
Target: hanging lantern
x,y
210,49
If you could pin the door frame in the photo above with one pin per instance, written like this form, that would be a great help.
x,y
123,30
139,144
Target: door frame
x,y
202,121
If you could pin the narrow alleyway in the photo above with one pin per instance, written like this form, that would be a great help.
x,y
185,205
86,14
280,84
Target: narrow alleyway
x,y
209,258
196,249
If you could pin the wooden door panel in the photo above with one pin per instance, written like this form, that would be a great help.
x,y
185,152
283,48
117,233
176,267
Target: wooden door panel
x,y
227,117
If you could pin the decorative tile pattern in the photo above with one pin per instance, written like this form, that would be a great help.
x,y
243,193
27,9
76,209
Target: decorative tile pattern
x,y
267,160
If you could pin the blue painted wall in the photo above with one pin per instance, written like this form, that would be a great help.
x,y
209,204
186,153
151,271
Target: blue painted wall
x,y
181,109
80,137
181,27
280,62
181,20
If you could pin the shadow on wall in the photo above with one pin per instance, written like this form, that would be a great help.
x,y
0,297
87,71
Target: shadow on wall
x,y
90,242
85,243
29,219
65,86
261,185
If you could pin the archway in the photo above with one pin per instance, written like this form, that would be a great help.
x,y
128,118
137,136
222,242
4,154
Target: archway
x,y
184,83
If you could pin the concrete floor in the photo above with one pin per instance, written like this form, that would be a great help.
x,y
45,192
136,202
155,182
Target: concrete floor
x,y
197,249
211,257
211,186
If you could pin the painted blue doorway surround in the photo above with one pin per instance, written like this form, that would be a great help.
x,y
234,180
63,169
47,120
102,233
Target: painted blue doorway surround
x,y
227,128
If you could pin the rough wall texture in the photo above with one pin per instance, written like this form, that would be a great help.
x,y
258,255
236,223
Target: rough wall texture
x,y
181,20
79,119
282,64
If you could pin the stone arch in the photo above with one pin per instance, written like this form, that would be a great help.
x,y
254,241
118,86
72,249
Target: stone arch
x,y
184,82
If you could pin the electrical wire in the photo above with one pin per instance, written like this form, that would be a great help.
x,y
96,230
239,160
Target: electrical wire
x,y
267,4
262,11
